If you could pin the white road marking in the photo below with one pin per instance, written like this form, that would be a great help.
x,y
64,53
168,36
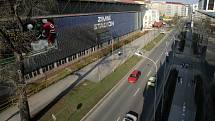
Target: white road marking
x,y
157,60
159,57
118,119
136,92
149,73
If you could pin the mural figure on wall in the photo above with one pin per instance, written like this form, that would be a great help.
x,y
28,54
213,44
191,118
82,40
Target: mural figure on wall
x,y
45,33
49,31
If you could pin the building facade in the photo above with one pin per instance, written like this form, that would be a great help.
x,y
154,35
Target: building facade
x,y
207,5
175,8
158,5
170,9
204,27
195,7
150,17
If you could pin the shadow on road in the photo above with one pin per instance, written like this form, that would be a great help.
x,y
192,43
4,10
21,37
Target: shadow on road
x,y
149,92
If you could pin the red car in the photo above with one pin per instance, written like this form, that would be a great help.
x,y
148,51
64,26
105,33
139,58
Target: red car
x,y
134,76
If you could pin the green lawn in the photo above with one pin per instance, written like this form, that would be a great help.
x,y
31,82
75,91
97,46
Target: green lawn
x,y
151,44
87,94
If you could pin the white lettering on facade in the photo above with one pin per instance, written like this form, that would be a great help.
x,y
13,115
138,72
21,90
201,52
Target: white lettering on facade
x,y
103,22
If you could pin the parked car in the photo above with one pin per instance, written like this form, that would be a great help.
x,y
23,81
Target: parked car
x,y
151,81
120,53
139,52
131,116
134,76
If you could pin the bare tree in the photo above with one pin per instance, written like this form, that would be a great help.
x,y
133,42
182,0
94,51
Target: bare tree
x,y
15,38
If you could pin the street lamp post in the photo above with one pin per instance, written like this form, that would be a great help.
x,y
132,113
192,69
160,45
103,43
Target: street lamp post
x,y
138,54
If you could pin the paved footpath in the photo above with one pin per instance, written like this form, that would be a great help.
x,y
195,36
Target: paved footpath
x,y
183,106
107,64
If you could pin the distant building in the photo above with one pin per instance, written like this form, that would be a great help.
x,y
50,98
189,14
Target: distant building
x,y
151,16
195,7
175,8
158,5
207,5
170,9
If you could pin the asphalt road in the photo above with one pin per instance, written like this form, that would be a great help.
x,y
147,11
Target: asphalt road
x,y
128,96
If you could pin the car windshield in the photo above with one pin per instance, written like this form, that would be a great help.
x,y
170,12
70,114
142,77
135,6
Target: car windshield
x,y
128,119
133,75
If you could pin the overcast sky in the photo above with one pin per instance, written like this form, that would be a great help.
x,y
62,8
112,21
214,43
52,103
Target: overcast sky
x,y
182,1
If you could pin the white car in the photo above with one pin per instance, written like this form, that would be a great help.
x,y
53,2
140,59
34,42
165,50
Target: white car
x,y
139,53
131,116
151,81
119,53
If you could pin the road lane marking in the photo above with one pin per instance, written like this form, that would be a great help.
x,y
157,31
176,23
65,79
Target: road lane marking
x,y
157,61
160,57
136,92
149,73
118,118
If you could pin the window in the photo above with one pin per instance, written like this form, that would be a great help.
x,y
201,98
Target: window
x,y
26,77
210,4
70,58
58,63
133,75
34,73
86,51
74,57
63,61
30,75
205,5
51,66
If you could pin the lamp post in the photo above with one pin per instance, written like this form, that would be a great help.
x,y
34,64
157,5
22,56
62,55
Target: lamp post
x,y
138,54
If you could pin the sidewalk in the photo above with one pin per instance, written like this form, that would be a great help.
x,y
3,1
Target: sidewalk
x,y
107,64
183,104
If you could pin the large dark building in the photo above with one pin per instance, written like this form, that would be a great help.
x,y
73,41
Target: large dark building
x,y
82,28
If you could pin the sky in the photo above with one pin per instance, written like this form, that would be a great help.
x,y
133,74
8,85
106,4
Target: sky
x,y
182,1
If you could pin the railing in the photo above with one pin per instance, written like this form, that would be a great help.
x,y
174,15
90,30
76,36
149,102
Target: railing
x,y
7,60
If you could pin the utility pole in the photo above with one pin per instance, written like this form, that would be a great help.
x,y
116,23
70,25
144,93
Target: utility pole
x,y
11,10
112,44
23,101
16,45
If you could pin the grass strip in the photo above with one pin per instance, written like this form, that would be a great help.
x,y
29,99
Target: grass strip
x,y
151,44
87,94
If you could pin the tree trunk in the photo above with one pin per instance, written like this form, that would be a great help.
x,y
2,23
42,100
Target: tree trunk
x,y
23,101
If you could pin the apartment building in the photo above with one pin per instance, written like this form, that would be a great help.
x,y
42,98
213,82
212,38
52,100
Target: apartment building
x,y
170,9
175,8
150,17
207,5
195,7
158,5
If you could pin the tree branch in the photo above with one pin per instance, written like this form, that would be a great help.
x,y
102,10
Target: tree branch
x,y
7,38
